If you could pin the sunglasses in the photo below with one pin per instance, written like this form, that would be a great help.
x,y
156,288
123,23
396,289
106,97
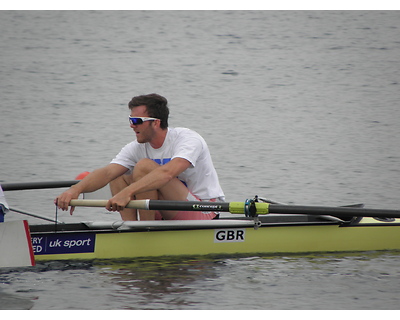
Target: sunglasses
x,y
140,120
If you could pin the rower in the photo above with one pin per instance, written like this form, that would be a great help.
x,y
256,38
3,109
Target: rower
x,y
162,163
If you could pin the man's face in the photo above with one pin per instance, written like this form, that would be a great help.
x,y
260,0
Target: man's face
x,y
144,132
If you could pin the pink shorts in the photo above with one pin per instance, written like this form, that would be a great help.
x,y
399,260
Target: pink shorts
x,y
192,215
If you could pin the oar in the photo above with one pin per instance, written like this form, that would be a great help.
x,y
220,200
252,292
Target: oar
x,y
37,185
248,208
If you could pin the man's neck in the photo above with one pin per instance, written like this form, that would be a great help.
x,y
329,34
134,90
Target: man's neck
x,y
158,141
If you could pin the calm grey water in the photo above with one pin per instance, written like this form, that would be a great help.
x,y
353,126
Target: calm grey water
x,y
298,106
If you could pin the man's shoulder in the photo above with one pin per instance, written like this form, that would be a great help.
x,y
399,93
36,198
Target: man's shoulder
x,y
181,131
182,135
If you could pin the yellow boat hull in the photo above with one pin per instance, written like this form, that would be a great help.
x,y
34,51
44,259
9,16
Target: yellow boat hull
x,y
237,240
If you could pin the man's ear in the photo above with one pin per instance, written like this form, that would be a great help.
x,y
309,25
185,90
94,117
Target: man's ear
x,y
157,123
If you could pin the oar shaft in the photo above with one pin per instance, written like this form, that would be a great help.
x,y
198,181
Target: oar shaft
x,y
266,208
239,208
189,205
160,205
37,185
334,211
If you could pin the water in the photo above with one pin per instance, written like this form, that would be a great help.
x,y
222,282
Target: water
x,y
297,106
256,283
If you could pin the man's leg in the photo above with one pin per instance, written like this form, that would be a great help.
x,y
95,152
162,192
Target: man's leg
x,y
116,186
173,190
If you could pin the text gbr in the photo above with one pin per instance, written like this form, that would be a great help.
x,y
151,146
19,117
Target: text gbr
x,y
229,235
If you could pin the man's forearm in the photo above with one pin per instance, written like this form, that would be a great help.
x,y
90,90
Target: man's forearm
x,y
93,181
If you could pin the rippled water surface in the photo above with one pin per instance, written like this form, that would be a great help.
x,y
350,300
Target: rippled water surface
x,y
262,282
298,106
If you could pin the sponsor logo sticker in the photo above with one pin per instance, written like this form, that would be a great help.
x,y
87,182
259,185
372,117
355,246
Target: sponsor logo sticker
x,y
63,243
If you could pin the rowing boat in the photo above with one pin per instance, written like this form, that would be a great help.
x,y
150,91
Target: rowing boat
x,y
272,234
255,227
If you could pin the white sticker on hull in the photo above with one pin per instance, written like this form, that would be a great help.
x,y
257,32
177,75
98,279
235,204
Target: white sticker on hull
x,y
229,235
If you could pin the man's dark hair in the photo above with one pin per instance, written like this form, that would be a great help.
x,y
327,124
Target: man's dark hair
x,y
157,107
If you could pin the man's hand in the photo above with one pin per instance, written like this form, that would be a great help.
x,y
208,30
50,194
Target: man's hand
x,y
63,200
119,201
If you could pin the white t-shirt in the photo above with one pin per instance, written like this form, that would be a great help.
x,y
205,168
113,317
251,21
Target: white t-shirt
x,y
200,178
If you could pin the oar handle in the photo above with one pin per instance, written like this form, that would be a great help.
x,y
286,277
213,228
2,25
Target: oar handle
x,y
135,204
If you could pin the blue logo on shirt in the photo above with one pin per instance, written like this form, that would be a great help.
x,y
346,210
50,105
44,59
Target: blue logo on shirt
x,y
162,161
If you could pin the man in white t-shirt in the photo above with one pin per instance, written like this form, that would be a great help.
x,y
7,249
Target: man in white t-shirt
x,y
162,163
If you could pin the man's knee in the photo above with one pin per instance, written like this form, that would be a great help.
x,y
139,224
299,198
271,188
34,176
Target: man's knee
x,y
145,166
119,183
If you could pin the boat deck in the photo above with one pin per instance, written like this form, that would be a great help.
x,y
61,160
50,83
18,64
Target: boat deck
x,y
231,222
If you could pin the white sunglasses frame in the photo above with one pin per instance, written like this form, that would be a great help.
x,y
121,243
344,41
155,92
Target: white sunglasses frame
x,y
144,119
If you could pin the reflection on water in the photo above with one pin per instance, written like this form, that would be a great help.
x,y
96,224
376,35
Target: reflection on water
x,y
166,281
317,281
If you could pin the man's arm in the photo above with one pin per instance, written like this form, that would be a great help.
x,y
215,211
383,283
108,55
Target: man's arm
x,y
92,182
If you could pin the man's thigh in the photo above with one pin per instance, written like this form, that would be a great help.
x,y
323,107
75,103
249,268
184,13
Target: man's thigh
x,y
174,190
